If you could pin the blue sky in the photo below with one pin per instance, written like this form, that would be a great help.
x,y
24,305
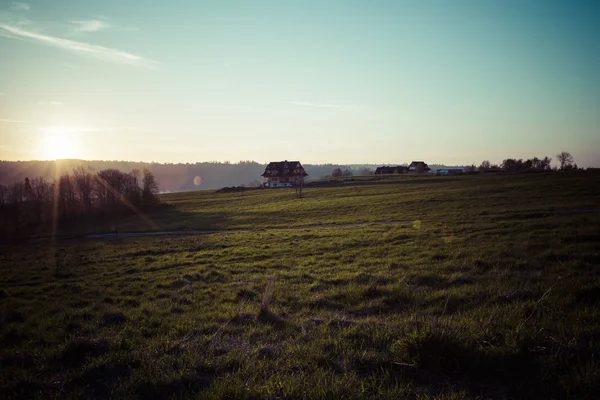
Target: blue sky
x,y
452,82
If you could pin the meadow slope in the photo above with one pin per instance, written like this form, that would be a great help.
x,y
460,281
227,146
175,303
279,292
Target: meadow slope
x,y
492,290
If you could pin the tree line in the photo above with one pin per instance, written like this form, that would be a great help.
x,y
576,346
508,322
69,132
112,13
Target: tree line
x,y
509,165
30,204
535,164
338,172
172,177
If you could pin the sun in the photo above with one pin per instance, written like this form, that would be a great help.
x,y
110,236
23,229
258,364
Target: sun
x,y
59,144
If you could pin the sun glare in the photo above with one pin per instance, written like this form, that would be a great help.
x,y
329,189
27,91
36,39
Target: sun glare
x,y
59,144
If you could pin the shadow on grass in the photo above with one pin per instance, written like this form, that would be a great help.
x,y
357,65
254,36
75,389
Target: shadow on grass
x,y
80,349
30,389
439,360
97,382
183,387
270,318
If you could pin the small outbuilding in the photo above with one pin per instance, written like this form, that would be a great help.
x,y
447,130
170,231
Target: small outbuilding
x,y
418,167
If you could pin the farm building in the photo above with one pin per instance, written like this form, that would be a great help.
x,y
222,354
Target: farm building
x,y
418,167
390,170
284,174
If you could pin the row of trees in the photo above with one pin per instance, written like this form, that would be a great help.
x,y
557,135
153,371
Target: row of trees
x,y
338,172
511,165
347,172
80,193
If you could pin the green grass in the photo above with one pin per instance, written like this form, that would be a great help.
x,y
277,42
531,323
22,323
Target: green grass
x,y
487,294
435,199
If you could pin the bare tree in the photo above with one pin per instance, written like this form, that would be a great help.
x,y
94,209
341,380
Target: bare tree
x,y
4,193
337,172
150,188
347,172
15,200
16,193
299,190
510,165
41,194
545,163
100,189
111,183
131,187
485,165
565,159
84,181
66,195
136,174
27,191
366,171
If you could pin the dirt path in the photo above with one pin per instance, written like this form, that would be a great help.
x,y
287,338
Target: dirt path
x,y
209,232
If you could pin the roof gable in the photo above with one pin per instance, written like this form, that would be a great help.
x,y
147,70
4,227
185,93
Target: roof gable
x,y
415,164
284,168
284,165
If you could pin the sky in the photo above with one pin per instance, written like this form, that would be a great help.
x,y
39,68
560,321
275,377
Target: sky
x,y
453,82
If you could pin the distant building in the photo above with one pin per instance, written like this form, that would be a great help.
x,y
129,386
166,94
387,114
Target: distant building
x,y
449,171
284,174
390,170
418,166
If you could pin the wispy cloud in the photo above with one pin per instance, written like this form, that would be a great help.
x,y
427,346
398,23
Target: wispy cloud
x,y
206,107
50,103
196,106
86,49
12,121
18,6
89,25
84,129
320,105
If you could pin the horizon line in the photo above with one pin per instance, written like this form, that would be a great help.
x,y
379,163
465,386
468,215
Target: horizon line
x,y
229,162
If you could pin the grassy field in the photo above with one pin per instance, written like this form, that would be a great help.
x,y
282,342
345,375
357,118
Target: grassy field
x,y
489,288
439,200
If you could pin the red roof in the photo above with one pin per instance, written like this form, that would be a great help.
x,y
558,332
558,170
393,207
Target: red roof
x,y
284,168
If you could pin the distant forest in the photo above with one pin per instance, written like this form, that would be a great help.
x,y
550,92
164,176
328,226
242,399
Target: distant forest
x,y
170,177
